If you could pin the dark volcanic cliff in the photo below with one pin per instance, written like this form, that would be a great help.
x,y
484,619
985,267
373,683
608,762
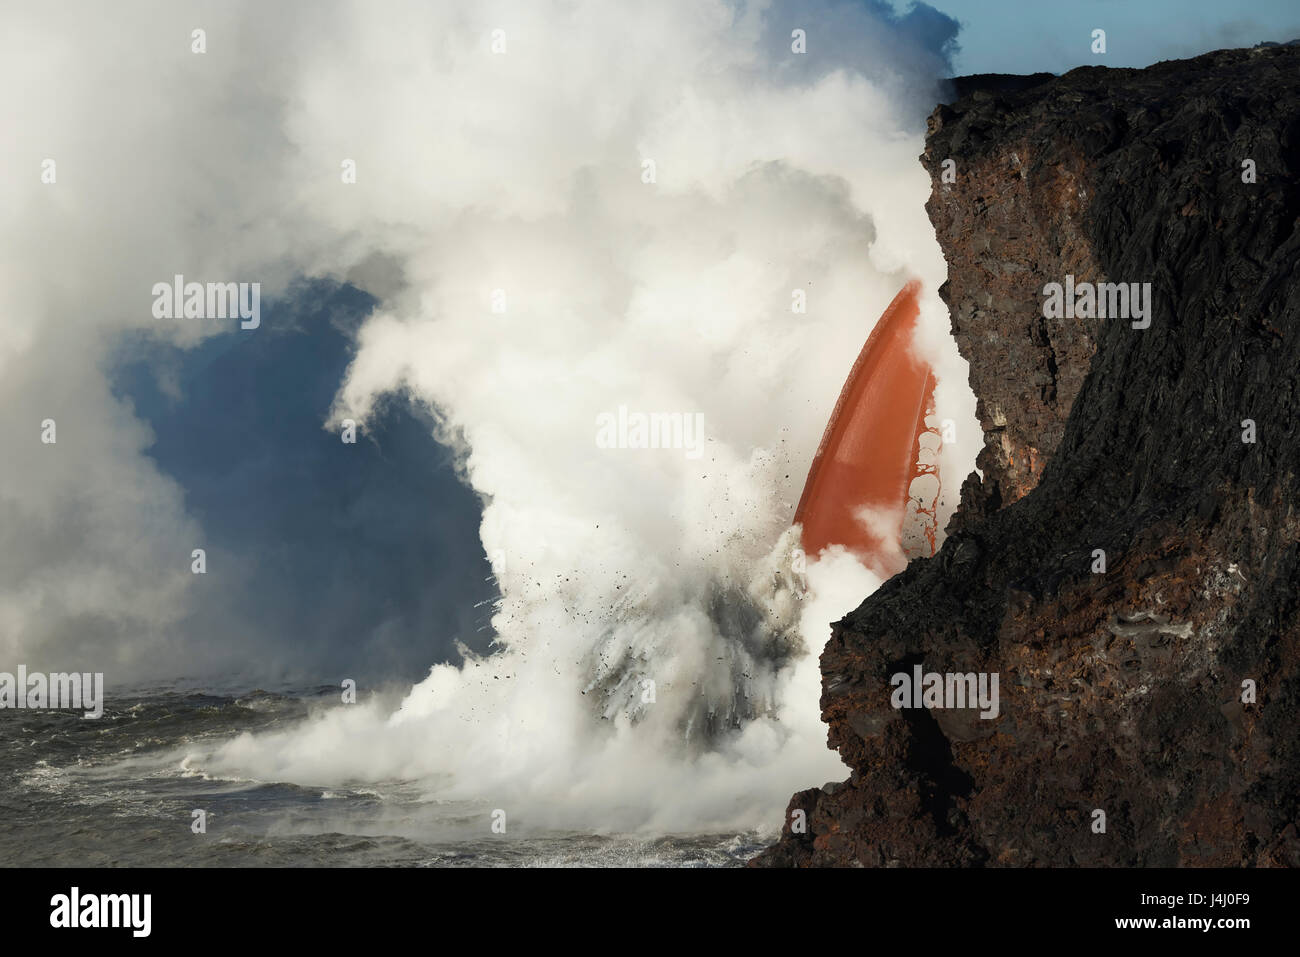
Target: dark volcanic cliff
x,y
1122,690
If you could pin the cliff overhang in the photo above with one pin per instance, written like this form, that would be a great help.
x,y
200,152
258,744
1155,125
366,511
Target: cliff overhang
x,y
1127,559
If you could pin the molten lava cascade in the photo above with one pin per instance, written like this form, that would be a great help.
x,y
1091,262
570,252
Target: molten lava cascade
x,y
876,446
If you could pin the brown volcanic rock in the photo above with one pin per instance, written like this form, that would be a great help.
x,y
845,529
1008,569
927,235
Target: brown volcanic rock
x,y
1002,236
1119,691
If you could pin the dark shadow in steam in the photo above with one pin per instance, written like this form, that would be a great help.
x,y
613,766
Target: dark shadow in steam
x,y
325,560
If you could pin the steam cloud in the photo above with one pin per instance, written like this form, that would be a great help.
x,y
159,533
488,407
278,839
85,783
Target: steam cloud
x,y
657,667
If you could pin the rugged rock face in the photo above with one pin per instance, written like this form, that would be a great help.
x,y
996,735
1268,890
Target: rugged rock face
x,y
1120,690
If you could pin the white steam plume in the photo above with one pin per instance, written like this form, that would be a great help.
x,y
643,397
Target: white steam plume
x,y
621,567
519,177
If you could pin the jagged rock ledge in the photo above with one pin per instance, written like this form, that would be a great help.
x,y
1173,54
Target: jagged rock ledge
x,y
1119,691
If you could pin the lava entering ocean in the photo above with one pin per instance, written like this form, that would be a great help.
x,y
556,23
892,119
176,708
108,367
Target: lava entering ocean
x,y
877,444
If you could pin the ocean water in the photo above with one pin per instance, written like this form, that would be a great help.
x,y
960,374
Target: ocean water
x,y
117,791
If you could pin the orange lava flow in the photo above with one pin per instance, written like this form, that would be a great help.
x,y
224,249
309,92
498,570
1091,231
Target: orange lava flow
x,y
870,451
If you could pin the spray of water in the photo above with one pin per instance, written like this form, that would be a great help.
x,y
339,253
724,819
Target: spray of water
x,y
628,225
564,208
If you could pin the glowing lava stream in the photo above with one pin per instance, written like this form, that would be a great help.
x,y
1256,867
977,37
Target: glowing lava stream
x,y
860,483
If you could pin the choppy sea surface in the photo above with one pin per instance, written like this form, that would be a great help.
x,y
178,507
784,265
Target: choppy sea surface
x,y
117,792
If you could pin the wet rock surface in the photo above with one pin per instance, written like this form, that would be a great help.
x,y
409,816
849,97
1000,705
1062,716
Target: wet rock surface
x,y
1120,690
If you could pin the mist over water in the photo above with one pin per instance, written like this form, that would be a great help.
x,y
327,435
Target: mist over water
x,y
655,661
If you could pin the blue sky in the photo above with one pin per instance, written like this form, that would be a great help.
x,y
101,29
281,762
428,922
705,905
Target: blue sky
x,y
327,555
363,556
1014,36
